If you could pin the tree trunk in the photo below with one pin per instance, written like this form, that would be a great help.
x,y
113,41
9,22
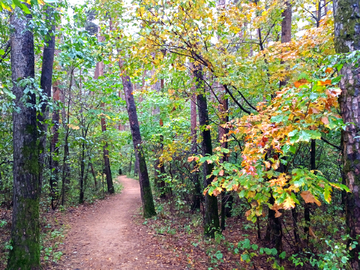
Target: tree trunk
x,y
286,30
159,167
93,173
145,188
54,150
82,173
211,222
26,169
196,200
65,169
45,84
130,165
226,199
274,228
46,76
65,122
347,32
308,205
99,71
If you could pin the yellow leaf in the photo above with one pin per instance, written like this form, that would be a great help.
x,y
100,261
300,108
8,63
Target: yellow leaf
x,y
289,203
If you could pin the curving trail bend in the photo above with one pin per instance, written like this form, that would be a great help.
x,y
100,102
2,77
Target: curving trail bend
x,y
106,238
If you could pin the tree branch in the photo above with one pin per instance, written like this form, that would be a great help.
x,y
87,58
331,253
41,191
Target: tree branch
x,y
233,98
333,145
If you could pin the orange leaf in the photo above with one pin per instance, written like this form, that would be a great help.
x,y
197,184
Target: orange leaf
x,y
313,110
327,82
221,173
300,82
328,70
309,198
216,192
190,159
325,120
311,232
248,213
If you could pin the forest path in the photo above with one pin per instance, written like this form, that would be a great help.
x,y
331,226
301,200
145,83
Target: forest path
x,y
107,238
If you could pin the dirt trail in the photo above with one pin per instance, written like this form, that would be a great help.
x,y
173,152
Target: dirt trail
x,y
107,237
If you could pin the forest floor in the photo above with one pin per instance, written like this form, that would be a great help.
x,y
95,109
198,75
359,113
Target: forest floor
x,y
108,236
111,234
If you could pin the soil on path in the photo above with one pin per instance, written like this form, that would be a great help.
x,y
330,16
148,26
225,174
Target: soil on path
x,y
107,237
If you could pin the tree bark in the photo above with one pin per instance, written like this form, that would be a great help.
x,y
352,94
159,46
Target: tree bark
x,y
274,228
26,169
308,205
286,30
46,74
226,198
196,200
99,71
159,169
347,32
46,84
211,222
145,188
54,149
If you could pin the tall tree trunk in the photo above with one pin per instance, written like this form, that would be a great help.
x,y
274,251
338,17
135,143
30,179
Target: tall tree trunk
x,y
286,30
226,198
65,168
99,71
82,173
159,169
274,228
46,84
46,78
211,222
26,169
145,188
286,37
347,32
65,122
308,205
196,201
130,164
54,149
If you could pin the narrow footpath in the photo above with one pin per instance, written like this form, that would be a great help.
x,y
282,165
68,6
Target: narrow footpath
x,y
107,238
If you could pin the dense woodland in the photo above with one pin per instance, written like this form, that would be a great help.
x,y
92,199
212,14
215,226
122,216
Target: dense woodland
x,y
232,114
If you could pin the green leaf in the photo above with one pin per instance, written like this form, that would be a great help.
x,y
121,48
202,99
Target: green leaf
x,y
282,255
277,119
245,257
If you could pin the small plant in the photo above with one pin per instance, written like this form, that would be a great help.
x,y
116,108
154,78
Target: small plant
x,y
2,223
215,258
336,257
